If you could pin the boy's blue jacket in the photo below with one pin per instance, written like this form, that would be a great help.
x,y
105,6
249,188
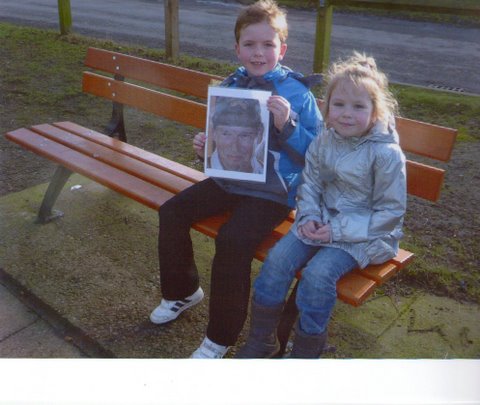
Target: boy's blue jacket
x,y
286,148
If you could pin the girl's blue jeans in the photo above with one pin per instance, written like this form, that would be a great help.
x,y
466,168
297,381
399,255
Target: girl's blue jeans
x,y
316,294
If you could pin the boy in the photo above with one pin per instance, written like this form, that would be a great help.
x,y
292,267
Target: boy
x,y
257,208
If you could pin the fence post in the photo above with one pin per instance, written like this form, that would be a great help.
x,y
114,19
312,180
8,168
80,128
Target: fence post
x,y
171,29
321,57
64,16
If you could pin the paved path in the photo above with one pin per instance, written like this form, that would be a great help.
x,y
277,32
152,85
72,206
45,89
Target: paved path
x,y
427,54
23,334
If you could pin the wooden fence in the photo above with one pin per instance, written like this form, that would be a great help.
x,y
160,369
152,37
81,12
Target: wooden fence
x,y
325,10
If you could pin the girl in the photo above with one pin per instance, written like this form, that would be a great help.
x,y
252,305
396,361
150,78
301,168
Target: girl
x,y
350,210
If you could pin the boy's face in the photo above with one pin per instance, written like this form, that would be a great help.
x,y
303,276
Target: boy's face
x,y
235,146
259,48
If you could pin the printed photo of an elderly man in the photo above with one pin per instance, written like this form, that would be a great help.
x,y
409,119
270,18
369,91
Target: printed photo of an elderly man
x,y
236,135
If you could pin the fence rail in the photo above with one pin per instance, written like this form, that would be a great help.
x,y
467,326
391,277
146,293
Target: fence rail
x,y
454,7
325,9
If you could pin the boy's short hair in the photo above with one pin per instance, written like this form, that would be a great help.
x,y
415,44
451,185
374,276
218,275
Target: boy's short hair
x,y
260,11
238,112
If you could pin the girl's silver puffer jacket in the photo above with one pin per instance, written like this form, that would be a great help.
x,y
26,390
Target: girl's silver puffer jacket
x,y
358,185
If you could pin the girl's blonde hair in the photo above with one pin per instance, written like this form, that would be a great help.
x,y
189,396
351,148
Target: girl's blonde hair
x,y
260,11
362,71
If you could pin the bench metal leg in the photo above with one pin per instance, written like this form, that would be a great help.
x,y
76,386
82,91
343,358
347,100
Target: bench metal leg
x,y
289,316
46,214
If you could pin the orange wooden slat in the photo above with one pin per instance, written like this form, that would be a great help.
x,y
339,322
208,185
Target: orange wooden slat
x,y
140,154
100,172
170,107
402,258
210,226
424,139
424,181
354,289
163,75
379,273
144,171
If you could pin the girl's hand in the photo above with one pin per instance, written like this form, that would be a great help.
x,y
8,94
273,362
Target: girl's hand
x,y
280,108
315,231
199,144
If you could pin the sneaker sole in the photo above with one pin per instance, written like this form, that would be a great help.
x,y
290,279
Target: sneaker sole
x,y
176,311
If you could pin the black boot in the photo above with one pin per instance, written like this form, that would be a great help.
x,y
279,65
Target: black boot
x,y
262,339
307,346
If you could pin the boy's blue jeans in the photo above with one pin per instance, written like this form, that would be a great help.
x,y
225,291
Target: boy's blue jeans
x,y
316,293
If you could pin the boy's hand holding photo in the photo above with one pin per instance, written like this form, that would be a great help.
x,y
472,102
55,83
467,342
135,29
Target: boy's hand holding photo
x,y
280,108
199,144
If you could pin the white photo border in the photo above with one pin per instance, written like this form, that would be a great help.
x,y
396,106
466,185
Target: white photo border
x,y
260,95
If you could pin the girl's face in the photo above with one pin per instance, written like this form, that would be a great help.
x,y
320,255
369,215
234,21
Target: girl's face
x,y
350,110
259,48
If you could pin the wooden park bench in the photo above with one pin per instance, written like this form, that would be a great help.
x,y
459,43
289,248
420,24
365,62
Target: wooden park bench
x,y
150,179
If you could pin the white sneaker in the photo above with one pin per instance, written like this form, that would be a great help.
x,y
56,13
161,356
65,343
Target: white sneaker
x,y
209,350
169,310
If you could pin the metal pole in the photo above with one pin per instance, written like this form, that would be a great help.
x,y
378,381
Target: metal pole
x,y
64,16
321,57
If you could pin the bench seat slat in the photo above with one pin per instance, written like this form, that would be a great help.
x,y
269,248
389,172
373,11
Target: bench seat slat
x,y
140,154
354,289
100,172
402,258
169,107
128,164
211,225
379,273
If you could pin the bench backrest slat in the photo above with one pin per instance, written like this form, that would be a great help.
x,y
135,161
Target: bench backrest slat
x,y
423,139
166,76
170,107
427,140
424,181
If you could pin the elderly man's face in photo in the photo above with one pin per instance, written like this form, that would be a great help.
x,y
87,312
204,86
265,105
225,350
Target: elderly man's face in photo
x,y
235,146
